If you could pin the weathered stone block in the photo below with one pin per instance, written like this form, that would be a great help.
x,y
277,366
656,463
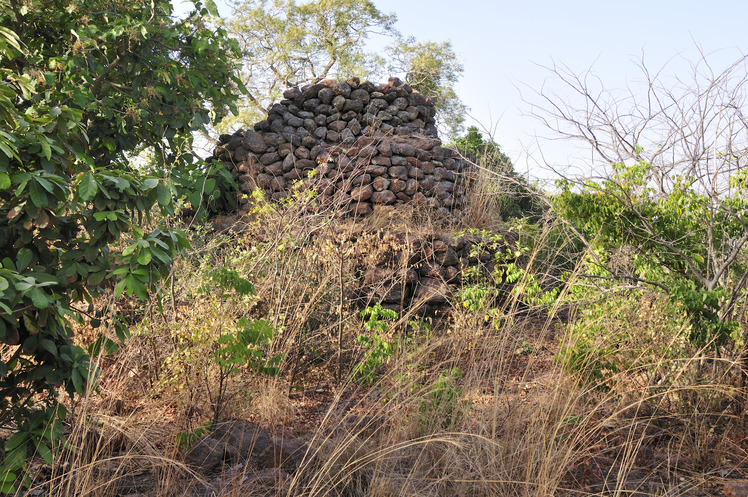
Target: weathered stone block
x,y
383,197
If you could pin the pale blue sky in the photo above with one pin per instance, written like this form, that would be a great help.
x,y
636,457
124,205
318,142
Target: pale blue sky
x,y
501,45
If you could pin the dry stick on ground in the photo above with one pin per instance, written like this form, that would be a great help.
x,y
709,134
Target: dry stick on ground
x,y
341,295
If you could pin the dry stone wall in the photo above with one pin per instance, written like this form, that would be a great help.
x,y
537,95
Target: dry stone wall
x,y
419,273
360,144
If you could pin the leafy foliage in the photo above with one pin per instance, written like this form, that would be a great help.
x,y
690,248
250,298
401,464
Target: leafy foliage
x,y
511,279
379,347
442,408
665,212
432,69
243,350
699,269
516,198
88,85
288,44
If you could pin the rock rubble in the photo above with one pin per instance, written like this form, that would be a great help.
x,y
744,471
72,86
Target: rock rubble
x,y
358,143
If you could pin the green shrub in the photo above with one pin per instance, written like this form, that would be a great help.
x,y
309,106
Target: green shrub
x,y
379,348
441,407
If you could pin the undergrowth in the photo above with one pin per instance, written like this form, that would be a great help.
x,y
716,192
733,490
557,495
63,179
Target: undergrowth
x,y
523,384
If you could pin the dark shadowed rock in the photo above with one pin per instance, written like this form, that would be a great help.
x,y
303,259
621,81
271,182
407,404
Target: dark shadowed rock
x,y
337,126
397,185
432,291
231,441
399,172
255,142
362,209
343,89
381,183
353,105
287,453
326,95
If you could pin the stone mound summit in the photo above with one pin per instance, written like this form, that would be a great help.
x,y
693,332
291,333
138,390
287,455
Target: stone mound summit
x,y
359,144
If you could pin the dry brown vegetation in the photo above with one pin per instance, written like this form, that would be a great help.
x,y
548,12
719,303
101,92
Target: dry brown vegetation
x,y
470,403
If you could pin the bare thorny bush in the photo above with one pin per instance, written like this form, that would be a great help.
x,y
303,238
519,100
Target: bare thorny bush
x,y
667,188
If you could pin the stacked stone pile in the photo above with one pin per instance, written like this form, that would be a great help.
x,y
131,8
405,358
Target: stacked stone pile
x,y
404,271
360,144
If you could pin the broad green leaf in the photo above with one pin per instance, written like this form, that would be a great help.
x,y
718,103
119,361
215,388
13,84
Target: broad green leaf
x,y
46,149
38,194
16,440
40,299
163,194
49,346
95,278
23,285
119,288
88,187
79,383
130,249
46,453
23,259
150,183
4,181
211,6
144,258
210,186
8,487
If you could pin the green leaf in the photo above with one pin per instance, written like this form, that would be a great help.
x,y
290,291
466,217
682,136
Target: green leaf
x,y
23,258
4,181
95,278
163,194
88,187
46,149
49,346
38,194
79,383
8,487
211,6
210,186
45,453
150,183
24,285
6,478
39,298
144,258
119,288
16,440
130,249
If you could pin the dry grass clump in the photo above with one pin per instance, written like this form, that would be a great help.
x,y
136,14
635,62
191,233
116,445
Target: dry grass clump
x,y
475,404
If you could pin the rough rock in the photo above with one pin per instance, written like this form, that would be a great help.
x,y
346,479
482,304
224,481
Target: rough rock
x,y
231,441
386,130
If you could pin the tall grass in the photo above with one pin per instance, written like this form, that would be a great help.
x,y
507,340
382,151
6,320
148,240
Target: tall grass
x,y
475,407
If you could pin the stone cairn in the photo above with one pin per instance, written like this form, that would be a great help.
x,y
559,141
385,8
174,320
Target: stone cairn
x,y
360,144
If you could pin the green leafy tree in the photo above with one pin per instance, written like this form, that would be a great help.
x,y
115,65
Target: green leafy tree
x,y
432,68
516,198
665,210
286,44
87,85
